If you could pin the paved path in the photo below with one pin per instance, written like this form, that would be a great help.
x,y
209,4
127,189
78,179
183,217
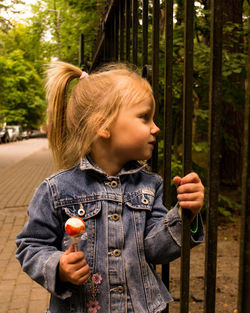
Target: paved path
x,y
14,152
18,293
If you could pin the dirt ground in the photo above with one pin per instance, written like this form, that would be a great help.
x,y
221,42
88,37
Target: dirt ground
x,y
227,273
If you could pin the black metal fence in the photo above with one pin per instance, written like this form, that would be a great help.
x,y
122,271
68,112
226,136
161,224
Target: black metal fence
x,y
118,40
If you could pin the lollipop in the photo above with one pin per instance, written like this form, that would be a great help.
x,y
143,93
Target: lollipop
x,y
75,227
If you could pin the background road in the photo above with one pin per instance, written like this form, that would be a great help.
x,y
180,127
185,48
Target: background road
x,y
13,152
23,166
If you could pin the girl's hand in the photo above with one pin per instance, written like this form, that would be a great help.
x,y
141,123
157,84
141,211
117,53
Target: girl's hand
x,y
190,192
73,267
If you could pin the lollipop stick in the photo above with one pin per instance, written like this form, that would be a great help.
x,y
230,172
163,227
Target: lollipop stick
x,y
74,241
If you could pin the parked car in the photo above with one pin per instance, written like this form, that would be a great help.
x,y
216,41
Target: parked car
x,y
12,135
26,134
15,132
4,135
36,133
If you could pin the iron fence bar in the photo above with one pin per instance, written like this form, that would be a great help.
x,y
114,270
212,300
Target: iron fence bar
x,y
168,119
121,28
98,54
127,26
135,31
168,101
109,41
117,42
155,72
100,51
144,32
215,105
244,270
187,149
81,51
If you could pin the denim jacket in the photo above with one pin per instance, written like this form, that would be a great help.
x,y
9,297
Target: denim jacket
x,y
128,230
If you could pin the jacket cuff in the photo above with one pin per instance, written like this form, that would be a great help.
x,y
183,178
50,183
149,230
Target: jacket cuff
x,y
173,223
198,236
52,283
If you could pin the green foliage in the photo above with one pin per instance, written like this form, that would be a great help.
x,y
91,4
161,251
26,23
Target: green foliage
x,y
176,163
228,207
66,21
24,105
53,31
21,91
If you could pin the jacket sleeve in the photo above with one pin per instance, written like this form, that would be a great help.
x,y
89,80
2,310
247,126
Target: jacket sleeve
x,y
39,243
163,232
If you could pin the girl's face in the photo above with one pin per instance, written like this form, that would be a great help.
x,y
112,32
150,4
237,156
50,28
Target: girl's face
x,y
133,134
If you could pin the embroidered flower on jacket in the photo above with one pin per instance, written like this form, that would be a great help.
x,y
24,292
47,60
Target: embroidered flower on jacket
x,y
96,279
93,290
93,306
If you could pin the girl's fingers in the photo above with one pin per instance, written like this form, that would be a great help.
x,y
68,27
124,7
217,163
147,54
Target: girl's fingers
x,y
177,181
83,271
193,196
80,276
190,178
190,188
193,206
79,265
74,257
82,279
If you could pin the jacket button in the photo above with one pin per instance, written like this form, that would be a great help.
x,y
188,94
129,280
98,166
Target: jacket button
x,y
120,289
113,184
116,252
81,212
115,217
144,200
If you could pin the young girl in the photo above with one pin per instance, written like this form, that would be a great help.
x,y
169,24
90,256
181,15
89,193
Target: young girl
x,y
97,138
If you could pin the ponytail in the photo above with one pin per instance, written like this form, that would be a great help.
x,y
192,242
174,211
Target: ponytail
x,y
59,76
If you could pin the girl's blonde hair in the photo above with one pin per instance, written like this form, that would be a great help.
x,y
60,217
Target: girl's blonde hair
x,y
94,102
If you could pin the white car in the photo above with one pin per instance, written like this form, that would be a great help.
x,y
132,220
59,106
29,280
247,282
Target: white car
x,y
15,132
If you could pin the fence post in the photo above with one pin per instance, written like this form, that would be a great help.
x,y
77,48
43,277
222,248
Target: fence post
x,y
168,119
187,149
109,41
244,272
214,152
127,26
81,51
121,28
135,30
116,36
144,32
155,72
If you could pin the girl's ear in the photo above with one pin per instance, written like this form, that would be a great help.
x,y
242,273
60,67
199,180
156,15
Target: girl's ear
x,y
100,128
103,133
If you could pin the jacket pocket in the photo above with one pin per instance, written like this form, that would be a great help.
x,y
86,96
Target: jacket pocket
x,y
82,209
140,200
89,212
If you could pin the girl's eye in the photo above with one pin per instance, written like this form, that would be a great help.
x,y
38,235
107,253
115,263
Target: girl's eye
x,y
144,116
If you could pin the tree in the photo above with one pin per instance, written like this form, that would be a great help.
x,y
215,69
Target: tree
x,y
75,18
5,23
21,90
53,30
25,104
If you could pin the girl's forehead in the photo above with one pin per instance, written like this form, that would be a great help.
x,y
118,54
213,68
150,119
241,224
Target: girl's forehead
x,y
147,103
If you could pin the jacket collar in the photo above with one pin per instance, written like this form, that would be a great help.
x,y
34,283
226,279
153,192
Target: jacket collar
x,y
129,168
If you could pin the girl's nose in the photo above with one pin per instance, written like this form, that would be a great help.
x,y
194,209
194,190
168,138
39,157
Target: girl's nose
x,y
155,129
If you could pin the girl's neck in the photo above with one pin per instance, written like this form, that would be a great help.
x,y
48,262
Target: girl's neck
x,y
110,164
